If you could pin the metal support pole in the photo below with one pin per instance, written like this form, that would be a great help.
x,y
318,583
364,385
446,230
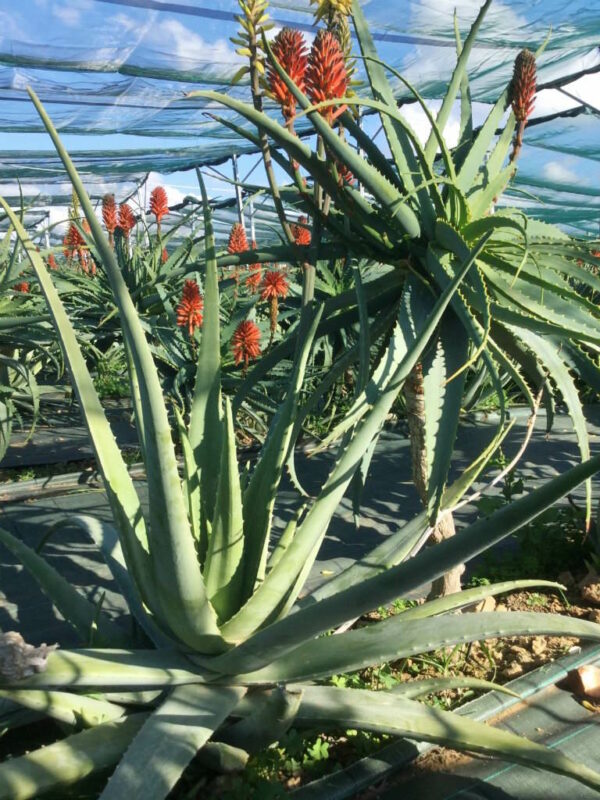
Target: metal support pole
x,y
238,191
252,226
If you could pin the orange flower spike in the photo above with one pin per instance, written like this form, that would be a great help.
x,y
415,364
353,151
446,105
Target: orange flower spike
x,y
109,215
126,219
238,243
274,286
521,93
52,261
22,287
246,342
326,75
72,242
191,305
302,235
159,204
290,50
164,255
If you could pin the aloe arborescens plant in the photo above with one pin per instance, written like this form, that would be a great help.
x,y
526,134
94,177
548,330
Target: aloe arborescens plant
x,y
231,651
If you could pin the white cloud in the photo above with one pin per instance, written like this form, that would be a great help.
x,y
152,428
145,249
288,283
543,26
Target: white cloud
x,y
70,13
558,172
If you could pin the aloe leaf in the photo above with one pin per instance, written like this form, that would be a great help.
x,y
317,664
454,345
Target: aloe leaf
x,y
300,555
125,670
206,425
442,397
465,131
71,709
475,158
482,199
549,355
168,741
381,711
443,114
259,497
223,565
397,138
286,537
82,614
270,720
397,581
119,487
68,761
190,485
412,690
468,597
179,584
106,539
397,637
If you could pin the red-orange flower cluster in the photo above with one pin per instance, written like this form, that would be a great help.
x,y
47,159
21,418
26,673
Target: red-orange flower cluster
x,y
246,342
23,287
189,310
523,85
73,242
126,219
159,204
326,75
238,243
274,285
289,48
300,232
109,213
52,261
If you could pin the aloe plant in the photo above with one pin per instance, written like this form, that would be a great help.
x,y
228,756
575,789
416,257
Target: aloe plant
x,y
522,312
231,653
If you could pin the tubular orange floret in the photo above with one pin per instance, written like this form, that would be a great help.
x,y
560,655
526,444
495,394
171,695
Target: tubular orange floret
x,y
126,219
109,213
301,234
290,50
238,243
159,204
189,310
246,342
326,75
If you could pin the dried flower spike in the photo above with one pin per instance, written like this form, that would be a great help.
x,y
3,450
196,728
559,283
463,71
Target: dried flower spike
x,y
521,92
326,76
246,342
290,50
189,310
19,660
159,204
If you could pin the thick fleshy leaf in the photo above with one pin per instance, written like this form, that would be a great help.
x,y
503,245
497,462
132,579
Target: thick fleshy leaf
x,y
168,740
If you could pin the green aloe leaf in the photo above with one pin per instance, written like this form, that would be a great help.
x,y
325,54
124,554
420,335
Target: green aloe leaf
x,y
71,709
380,711
223,565
168,740
178,579
397,637
88,621
412,690
315,618
68,761
206,424
120,490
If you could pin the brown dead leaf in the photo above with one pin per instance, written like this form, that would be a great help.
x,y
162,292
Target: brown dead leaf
x,y
585,681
